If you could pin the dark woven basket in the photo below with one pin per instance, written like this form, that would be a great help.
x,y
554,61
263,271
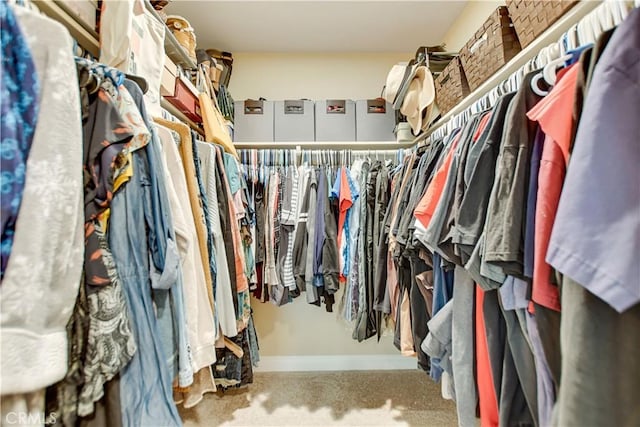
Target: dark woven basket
x,y
492,46
531,17
451,86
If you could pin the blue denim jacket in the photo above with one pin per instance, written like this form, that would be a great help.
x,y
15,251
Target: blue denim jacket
x,y
146,383
165,272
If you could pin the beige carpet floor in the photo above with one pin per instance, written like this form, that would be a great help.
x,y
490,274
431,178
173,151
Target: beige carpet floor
x,y
355,398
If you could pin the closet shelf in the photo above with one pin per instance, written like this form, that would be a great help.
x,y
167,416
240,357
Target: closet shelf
x,y
310,145
86,36
180,115
172,48
551,35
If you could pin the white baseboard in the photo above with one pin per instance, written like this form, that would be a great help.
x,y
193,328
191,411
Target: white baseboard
x,y
335,363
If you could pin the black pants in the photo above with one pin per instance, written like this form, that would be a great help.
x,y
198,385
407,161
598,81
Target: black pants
x,y
419,311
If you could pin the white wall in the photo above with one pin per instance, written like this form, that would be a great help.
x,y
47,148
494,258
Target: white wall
x,y
277,76
300,329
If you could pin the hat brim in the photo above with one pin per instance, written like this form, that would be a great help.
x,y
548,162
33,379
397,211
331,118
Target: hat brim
x,y
393,82
418,102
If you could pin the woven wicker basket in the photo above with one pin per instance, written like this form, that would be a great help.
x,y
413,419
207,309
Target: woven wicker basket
x,y
490,48
451,86
184,33
532,17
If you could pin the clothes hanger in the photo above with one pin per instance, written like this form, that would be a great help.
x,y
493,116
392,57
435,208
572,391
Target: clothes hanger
x,y
548,57
549,70
535,85
140,81
247,158
589,26
572,36
606,18
88,79
625,10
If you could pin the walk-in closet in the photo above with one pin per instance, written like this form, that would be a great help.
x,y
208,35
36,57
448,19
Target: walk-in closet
x,y
320,213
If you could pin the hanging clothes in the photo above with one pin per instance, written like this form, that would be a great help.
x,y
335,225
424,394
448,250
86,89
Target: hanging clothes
x,y
43,272
595,279
144,306
20,87
298,201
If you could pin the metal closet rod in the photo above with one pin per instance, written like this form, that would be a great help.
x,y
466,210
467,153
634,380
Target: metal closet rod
x,y
320,145
282,157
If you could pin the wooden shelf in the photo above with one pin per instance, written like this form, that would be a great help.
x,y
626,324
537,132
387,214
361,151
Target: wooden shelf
x,y
551,35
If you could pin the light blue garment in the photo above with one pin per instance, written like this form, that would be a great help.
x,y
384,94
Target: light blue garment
x,y
352,273
546,390
164,262
442,284
353,210
462,347
442,293
146,382
438,343
335,189
205,207
233,173
513,293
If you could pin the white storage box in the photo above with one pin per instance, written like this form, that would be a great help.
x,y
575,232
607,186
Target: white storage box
x,y
168,80
335,120
294,121
375,120
253,121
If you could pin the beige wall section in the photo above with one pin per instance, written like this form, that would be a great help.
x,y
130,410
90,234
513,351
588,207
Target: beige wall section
x,y
471,18
300,329
277,76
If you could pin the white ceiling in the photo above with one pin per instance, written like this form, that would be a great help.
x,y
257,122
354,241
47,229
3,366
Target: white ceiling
x,y
318,26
